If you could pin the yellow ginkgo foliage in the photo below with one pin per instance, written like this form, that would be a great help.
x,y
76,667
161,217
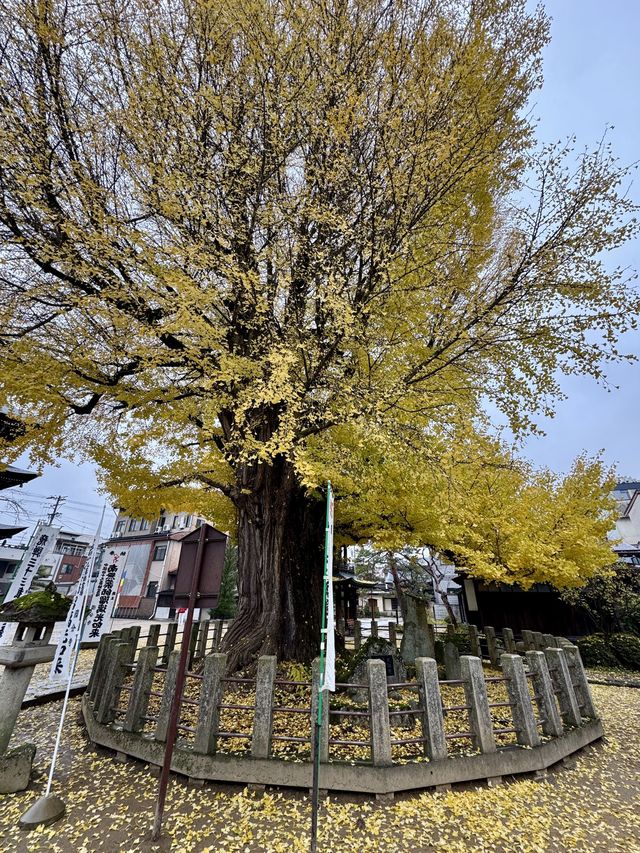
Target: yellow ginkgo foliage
x,y
229,232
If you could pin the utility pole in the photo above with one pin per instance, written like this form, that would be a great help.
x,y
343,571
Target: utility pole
x,y
59,499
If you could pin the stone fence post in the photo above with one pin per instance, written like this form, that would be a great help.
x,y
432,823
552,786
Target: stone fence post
x,y
139,696
153,635
263,715
580,683
509,641
475,690
206,736
169,642
431,640
451,661
217,634
527,639
524,720
561,680
196,633
374,628
549,641
474,641
379,713
92,686
435,744
101,666
114,675
203,639
357,634
544,695
538,640
324,721
162,723
492,645
392,634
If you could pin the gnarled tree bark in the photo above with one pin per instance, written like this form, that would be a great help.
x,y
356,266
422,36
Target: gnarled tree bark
x,y
280,561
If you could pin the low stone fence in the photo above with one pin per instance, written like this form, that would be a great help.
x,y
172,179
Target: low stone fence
x,y
376,737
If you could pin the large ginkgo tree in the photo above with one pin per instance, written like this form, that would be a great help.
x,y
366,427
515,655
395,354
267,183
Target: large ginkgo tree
x,y
232,231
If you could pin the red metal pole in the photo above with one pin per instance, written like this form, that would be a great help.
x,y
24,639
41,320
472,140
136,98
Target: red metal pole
x,y
176,702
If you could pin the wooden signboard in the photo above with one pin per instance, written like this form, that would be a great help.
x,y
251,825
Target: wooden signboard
x,y
211,573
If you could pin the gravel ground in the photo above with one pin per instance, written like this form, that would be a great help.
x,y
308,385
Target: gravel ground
x,y
593,807
41,683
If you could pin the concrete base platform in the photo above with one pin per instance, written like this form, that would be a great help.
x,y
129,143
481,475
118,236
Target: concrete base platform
x,y
15,768
342,776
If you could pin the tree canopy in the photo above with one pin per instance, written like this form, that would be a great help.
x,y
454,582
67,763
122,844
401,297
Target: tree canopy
x,y
233,233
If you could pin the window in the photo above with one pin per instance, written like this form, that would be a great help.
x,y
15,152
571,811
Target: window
x,y
67,568
175,521
132,524
121,525
144,525
159,552
187,520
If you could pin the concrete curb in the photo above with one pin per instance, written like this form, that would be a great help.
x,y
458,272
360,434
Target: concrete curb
x,y
613,682
52,696
338,776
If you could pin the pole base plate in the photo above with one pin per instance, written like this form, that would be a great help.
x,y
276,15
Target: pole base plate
x,y
44,811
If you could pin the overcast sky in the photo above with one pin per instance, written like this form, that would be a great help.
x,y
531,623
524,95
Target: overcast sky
x,y
592,79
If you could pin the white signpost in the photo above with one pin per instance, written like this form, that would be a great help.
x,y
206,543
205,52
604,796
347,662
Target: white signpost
x,y
41,544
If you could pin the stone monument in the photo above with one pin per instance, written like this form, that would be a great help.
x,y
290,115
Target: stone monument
x,y
36,613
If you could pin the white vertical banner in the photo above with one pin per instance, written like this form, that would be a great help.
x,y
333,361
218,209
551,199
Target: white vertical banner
x,y
64,657
42,543
328,681
104,595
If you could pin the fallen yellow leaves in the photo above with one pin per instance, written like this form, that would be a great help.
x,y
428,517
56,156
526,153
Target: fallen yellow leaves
x,y
593,807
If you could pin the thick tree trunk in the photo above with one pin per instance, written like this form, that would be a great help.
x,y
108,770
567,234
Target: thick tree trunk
x,y
280,559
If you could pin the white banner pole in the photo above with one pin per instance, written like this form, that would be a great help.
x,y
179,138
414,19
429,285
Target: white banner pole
x,y
74,642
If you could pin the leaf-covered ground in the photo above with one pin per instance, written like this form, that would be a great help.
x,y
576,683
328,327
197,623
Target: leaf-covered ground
x,y
593,807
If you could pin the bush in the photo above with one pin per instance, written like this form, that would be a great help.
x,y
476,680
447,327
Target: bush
x,y
627,649
596,651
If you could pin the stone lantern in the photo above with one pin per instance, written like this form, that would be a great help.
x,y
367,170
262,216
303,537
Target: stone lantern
x,y
36,614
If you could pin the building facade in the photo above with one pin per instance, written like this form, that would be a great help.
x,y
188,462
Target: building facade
x,y
150,551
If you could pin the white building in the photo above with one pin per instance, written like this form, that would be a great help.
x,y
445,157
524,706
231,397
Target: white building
x,y
627,496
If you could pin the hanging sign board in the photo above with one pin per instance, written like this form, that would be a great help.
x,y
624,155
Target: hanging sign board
x,y
104,596
212,566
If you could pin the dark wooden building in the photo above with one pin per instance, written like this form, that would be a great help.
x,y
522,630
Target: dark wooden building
x,y
537,609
